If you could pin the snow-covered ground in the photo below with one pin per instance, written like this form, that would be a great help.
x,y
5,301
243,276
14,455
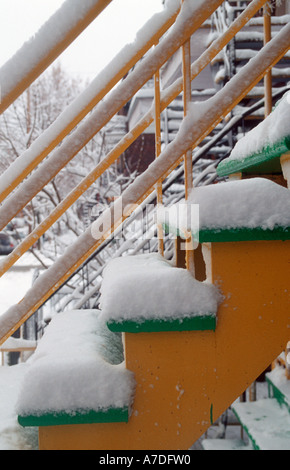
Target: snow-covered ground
x,y
13,286
12,435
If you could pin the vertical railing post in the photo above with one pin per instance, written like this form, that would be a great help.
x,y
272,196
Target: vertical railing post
x,y
268,76
186,70
157,153
186,62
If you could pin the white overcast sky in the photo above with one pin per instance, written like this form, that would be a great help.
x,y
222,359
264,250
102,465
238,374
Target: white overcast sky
x,y
114,27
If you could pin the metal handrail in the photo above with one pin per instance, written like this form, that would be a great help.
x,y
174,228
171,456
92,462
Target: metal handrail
x,y
190,135
177,175
83,104
166,98
44,48
104,111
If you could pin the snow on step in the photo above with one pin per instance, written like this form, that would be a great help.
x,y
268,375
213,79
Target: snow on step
x,y
274,128
225,444
147,287
76,367
266,423
248,203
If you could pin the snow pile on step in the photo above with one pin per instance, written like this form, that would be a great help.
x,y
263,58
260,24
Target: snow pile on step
x,y
76,368
273,129
249,203
147,287
39,46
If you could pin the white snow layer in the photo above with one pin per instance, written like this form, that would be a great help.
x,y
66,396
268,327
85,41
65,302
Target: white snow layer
x,y
12,435
275,127
147,287
76,367
249,203
39,46
97,87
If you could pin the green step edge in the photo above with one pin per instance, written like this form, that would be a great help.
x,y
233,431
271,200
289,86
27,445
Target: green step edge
x,y
253,442
196,323
112,415
276,393
258,162
244,234
236,234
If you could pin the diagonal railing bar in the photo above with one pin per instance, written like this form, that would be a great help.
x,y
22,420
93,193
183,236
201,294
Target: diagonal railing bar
x,y
130,245
191,17
147,236
177,174
87,100
151,199
126,141
69,21
195,127
234,121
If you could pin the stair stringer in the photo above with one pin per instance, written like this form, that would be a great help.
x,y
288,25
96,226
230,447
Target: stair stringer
x,y
186,380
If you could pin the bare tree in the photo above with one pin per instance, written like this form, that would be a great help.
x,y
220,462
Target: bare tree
x,y
32,113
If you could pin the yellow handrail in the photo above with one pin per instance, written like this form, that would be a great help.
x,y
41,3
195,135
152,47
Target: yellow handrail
x,y
81,106
210,113
157,153
46,54
102,114
168,96
268,76
186,74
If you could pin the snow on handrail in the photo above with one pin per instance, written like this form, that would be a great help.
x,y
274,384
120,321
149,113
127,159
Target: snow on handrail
x,y
63,27
207,171
167,96
85,102
189,20
198,123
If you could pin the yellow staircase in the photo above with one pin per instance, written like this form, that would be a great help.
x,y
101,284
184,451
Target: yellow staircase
x,y
185,375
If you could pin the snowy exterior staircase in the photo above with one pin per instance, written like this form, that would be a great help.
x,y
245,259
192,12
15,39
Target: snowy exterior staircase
x,y
182,336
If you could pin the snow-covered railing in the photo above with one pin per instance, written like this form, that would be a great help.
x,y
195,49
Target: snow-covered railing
x,y
135,245
62,155
86,101
134,241
188,22
200,120
16,345
49,42
80,295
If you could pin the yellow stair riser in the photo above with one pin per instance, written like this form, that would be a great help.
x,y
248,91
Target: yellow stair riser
x,y
185,380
